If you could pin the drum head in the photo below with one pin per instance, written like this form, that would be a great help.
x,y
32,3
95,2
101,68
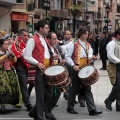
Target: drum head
x,y
86,71
54,70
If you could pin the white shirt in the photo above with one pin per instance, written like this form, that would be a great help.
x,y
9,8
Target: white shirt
x,y
65,47
110,52
30,47
82,53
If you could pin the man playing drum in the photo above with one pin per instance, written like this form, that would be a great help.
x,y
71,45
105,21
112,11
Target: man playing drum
x,y
78,55
37,53
52,38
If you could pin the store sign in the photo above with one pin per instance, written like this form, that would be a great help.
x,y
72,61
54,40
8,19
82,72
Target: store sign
x,y
23,17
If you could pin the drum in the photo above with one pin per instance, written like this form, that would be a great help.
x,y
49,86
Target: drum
x,y
31,77
88,75
56,75
66,82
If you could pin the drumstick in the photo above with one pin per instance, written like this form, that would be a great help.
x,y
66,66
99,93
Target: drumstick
x,y
64,90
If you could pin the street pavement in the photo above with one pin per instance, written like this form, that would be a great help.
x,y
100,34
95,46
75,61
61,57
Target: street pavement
x,y
100,89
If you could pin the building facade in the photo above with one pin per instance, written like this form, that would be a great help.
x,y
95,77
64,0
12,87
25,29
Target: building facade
x,y
25,14
5,14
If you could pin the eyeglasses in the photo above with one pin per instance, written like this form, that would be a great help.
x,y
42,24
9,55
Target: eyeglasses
x,y
54,38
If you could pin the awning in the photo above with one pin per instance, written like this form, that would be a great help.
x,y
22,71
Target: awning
x,y
7,3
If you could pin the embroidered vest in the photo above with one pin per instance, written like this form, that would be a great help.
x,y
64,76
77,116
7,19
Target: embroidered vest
x,y
77,51
38,52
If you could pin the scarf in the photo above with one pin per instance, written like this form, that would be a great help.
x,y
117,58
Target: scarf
x,y
18,47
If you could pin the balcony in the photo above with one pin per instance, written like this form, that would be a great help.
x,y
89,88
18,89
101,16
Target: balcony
x,y
60,13
118,11
99,15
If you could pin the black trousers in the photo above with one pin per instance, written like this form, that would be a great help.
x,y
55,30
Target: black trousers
x,y
44,93
69,69
55,98
103,57
76,85
53,101
115,92
22,77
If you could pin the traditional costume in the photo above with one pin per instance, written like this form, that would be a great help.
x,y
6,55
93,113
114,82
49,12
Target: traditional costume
x,y
78,54
21,67
9,85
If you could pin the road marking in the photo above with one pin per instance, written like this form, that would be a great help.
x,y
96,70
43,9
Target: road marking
x,y
16,119
87,119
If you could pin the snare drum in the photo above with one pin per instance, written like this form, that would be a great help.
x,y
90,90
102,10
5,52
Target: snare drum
x,y
56,75
88,75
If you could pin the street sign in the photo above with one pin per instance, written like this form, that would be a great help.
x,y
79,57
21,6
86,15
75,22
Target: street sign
x,y
30,28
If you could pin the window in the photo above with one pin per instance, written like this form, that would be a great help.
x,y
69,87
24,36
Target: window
x,y
92,2
19,1
118,8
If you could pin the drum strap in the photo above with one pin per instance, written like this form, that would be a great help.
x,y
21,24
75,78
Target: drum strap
x,y
86,51
50,51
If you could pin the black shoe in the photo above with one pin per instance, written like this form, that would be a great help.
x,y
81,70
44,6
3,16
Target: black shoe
x,y
82,104
56,105
76,102
72,111
118,110
95,112
18,106
3,109
29,107
50,117
108,105
32,116
103,69
66,98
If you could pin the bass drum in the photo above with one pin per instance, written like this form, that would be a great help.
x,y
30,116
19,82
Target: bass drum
x,y
56,76
88,75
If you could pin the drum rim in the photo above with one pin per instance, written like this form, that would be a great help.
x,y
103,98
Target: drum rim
x,y
57,74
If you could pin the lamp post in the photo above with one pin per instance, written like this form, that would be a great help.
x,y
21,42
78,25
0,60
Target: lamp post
x,y
75,9
97,22
74,16
105,27
46,6
107,8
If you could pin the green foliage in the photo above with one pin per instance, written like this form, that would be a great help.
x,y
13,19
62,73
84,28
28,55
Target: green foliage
x,y
107,21
47,18
75,7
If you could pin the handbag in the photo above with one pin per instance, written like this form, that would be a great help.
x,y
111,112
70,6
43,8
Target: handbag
x,y
111,69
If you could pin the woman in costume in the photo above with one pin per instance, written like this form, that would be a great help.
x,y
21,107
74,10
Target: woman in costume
x,y
9,86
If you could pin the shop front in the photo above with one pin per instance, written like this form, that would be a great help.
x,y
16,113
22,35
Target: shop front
x,y
18,21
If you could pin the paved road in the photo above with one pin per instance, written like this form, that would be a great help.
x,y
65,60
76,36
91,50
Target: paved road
x,y
100,90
